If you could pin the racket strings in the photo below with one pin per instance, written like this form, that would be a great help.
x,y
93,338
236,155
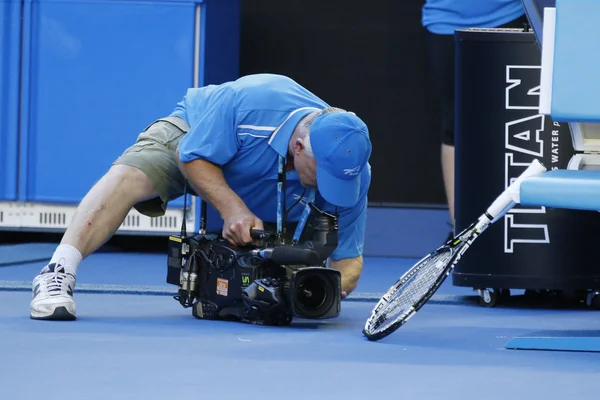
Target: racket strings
x,y
399,301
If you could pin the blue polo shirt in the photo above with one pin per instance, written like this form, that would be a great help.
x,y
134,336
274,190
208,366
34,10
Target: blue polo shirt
x,y
443,17
244,126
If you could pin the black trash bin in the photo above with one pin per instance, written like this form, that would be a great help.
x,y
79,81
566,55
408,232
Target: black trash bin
x,y
498,132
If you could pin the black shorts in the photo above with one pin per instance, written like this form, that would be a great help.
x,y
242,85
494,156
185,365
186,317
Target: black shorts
x,y
440,55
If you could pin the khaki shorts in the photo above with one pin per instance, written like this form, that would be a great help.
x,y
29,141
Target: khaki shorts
x,y
154,153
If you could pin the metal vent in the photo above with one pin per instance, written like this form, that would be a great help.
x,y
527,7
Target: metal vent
x,y
132,220
164,222
53,218
29,216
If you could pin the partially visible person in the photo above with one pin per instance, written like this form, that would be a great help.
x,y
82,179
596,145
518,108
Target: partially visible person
x,y
441,18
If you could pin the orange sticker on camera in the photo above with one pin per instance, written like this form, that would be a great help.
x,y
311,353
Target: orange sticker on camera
x,y
222,286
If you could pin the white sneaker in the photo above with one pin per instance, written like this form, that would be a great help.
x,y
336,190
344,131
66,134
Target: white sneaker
x,y
53,294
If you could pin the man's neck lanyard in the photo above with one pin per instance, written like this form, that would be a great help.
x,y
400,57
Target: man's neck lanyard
x,y
281,206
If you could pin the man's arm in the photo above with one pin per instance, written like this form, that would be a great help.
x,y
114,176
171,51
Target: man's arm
x,y
208,182
351,269
211,142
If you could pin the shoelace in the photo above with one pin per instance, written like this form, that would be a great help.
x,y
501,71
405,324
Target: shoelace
x,y
54,281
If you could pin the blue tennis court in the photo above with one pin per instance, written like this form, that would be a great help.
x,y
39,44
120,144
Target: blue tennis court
x,y
131,340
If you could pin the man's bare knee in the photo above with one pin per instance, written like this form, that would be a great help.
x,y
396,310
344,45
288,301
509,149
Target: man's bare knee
x,y
130,182
106,205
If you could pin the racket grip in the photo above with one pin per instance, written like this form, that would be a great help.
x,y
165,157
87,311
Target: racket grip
x,y
511,196
535,168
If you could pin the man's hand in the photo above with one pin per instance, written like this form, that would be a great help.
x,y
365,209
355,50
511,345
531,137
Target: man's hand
x,y
237,225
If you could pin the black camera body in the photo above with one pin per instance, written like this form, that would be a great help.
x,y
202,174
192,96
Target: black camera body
x,y
268,284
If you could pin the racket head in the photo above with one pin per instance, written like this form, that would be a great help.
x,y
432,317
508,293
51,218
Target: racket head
x,y
416,286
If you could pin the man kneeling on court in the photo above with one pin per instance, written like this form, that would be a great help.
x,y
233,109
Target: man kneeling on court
x,y
225,141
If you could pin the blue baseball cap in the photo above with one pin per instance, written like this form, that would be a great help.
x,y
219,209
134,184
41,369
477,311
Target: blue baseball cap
x,y
341,146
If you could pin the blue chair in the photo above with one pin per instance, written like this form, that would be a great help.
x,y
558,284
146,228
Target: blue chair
x,y
569,34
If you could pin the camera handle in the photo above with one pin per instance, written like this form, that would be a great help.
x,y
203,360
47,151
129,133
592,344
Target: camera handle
x,y
258,234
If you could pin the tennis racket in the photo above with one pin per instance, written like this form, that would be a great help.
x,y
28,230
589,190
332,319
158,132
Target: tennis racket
x,y
422,280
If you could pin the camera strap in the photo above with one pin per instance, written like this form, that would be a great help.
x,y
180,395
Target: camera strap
x,y
281,197
305,215
281,208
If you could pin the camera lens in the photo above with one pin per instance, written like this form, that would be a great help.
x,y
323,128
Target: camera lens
x,y
311,292
314,295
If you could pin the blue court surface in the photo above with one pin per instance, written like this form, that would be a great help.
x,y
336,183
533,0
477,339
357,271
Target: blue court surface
x,y
132,341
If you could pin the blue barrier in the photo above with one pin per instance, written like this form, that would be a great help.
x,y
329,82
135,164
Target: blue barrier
x,y
80,80
10,41
97,74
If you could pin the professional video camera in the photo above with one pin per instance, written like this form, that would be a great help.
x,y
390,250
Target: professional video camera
x,y
267,283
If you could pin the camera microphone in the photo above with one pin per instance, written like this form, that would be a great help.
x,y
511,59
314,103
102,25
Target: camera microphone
x,y
289,255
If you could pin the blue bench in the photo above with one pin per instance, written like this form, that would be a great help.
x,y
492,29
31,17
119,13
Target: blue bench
x,y
570,93
571,189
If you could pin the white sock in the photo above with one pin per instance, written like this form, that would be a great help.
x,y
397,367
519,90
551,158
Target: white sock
x,y
67,256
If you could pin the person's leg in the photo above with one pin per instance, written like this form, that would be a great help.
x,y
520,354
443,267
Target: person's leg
x,y
146,177
104,209
447,159
443,48
441,59
98,216
440,51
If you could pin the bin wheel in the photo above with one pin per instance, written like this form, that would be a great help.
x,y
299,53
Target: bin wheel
x,y
487,298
